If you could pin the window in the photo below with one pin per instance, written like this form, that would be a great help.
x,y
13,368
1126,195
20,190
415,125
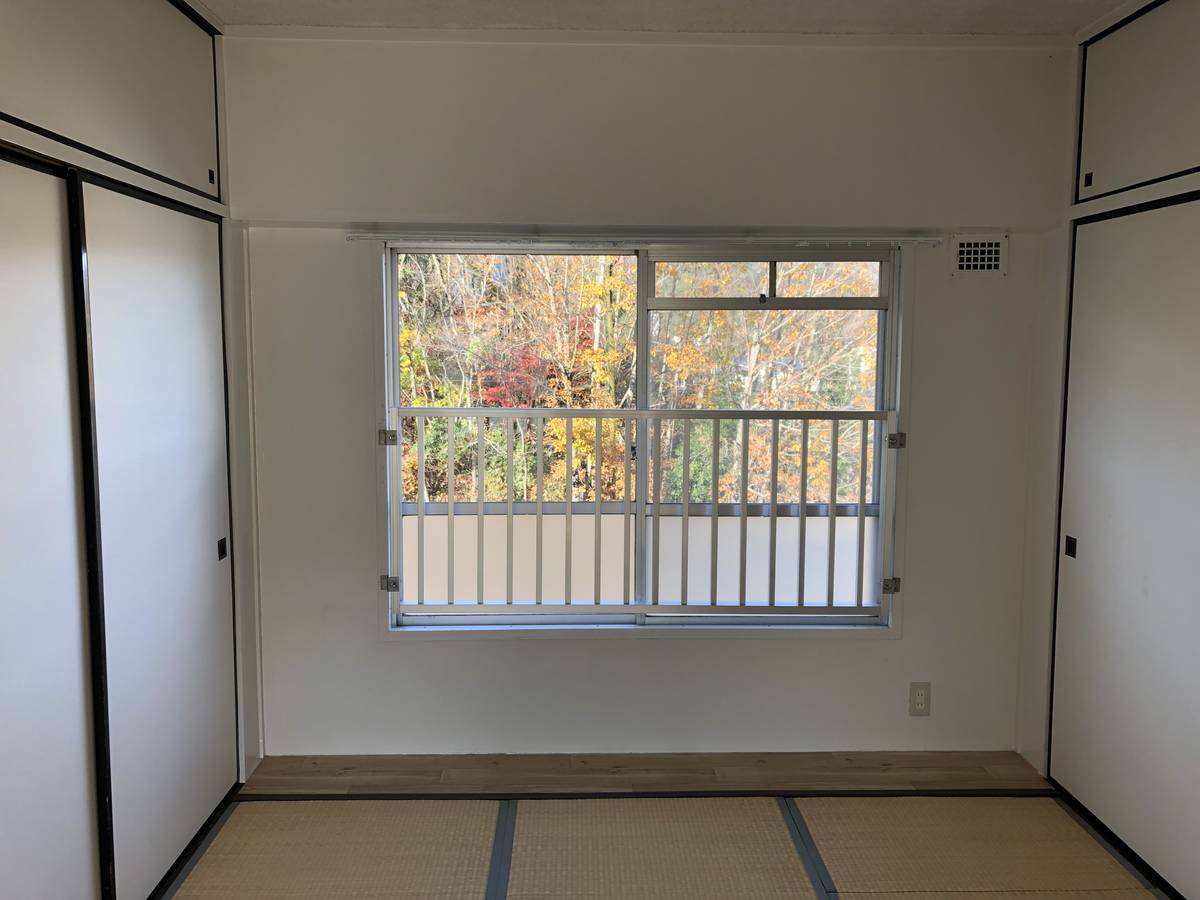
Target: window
x,y
639,436
515,330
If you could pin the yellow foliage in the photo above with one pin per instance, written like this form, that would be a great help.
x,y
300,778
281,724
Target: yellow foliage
x,y
686,360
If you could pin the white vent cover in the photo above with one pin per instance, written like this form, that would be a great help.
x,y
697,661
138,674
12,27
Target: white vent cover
x,y
973,255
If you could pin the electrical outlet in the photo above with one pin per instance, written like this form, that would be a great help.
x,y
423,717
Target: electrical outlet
x,y
918,698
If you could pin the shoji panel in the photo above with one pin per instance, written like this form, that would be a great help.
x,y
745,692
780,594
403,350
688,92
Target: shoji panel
x,y
156,316
1141,120
47,815
1126,722
130,78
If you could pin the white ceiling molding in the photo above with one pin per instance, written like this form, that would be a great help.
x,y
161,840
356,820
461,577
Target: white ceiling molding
x,y
1112,17
202,9
644,38
910,17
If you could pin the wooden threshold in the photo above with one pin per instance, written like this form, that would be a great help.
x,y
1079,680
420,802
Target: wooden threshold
x,y
636,774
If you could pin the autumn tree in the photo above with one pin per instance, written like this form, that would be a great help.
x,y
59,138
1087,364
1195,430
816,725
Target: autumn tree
x,y
558,332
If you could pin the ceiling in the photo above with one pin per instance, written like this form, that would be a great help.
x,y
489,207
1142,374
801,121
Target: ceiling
x,y
993,17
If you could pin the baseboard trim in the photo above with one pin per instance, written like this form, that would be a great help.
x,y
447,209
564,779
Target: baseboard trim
x,y
262,797
195,848
1116,846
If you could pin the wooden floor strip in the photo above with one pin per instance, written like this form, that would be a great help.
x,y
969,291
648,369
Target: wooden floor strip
x,y
531,775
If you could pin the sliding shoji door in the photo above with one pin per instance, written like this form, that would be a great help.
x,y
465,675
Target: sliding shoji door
x,y
47,815
1126,722
155,294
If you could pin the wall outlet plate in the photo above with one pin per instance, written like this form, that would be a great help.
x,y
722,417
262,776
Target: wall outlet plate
x,y
919,698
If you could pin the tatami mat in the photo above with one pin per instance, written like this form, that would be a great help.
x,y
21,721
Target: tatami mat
x,y
734,847
349,849
896,848
979,847
1138,894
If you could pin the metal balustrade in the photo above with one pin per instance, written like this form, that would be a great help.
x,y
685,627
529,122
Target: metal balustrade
x,y
555,524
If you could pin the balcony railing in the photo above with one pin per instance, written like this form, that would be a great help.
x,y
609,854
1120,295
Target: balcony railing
x,y
623,515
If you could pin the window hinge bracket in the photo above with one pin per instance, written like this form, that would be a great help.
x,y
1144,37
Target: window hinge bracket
x,y
897,440
389,583
389,437
891,585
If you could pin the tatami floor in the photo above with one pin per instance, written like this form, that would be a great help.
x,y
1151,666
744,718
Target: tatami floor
x,y
284,838
665,847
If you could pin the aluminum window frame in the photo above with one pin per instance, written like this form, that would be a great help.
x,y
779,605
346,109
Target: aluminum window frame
x,y
887,493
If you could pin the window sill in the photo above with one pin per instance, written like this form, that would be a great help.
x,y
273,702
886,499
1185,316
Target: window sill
x,y
591,631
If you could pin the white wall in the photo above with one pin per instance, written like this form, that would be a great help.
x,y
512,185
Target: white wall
x,y
602,135
130,78
1043,424
332,684
244,540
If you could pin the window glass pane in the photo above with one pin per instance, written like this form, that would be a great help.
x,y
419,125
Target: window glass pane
x,y
525,470
827,279
763,359
515,330
710,279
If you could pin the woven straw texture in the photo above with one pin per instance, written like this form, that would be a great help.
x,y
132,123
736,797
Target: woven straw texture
x,y
662,848
1138,894
960,846
349,849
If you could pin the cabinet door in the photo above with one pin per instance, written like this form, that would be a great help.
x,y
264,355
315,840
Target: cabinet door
x,y
1141,121
155,292
132,79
